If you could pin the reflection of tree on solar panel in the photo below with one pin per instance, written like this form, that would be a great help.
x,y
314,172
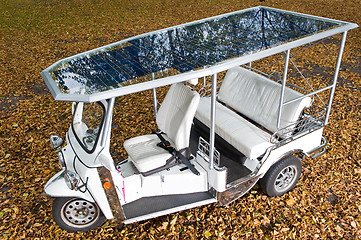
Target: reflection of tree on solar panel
x,y
184,48
253,119
154,52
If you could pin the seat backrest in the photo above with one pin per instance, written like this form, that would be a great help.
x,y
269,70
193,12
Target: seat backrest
x,y
258,97
175,115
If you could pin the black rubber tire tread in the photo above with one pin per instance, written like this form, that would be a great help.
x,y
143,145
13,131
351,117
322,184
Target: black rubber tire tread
x,y
267,183
56,211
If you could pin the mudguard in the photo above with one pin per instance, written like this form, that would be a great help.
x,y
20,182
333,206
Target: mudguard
x,y
56,187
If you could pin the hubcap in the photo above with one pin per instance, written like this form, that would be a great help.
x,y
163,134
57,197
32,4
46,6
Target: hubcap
x,y
285,178
79,212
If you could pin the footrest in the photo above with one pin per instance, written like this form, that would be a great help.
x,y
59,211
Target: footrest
x,y
318,151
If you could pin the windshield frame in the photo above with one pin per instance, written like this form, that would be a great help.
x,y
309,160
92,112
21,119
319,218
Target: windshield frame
x,y
100,127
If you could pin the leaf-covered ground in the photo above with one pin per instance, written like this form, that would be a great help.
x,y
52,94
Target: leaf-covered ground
x,y
326,202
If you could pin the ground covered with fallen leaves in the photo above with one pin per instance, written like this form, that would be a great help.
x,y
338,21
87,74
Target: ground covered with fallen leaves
x,y
326,202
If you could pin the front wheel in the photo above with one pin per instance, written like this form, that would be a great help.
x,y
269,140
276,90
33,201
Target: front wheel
x,y
282,176
76,214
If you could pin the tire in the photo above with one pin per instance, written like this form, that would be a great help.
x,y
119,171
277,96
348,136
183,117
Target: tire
x,y
282,176
76,214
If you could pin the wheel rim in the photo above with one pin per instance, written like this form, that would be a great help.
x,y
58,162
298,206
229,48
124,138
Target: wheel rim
x,y
79,213
286,178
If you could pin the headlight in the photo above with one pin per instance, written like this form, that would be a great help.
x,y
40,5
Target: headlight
x,y
71,179
56,141
61,160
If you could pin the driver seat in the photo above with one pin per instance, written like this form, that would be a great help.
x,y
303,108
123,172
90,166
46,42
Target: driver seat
x,y
174,119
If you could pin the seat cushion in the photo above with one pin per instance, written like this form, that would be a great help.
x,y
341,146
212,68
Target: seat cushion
x,y
144,152
175,115
240,133
258,98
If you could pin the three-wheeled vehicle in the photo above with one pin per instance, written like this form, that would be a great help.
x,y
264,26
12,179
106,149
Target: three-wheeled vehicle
x,y
238,111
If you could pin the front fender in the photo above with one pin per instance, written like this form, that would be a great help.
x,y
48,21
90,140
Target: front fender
x,y
56,187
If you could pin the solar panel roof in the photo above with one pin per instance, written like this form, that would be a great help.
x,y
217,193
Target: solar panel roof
x,y
183,52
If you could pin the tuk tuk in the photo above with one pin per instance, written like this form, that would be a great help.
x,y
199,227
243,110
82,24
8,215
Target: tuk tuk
x,y
238,111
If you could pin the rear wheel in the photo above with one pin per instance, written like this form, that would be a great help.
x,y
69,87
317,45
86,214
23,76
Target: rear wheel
x,y
282,176
76,214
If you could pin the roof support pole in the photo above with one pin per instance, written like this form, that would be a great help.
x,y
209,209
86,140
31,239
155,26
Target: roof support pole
x,y
155,102
284,79
335,76
213,119
108,122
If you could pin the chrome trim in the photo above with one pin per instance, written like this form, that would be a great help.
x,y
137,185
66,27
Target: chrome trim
x,y
237,190
155,102
241,180
212,135
72,180
322,145
62,161
204,151
56,141
337,69
284,80
288,140
107,121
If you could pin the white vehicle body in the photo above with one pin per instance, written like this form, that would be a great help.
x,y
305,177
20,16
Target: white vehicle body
x,y
261,120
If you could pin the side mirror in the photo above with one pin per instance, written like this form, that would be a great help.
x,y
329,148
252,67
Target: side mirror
x,y
56,141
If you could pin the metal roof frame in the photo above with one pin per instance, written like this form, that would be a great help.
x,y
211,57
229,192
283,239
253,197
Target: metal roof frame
x,y
209,70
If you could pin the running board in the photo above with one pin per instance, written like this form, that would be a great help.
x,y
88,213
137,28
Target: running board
x,y
236,190
151,207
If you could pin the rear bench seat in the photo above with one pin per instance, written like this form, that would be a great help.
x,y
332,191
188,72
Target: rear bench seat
x,y
257,98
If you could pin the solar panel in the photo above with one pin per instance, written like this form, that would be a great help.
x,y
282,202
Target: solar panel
x,y
181,49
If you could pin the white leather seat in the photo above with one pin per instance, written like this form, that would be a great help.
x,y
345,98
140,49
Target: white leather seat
x,y
257,98
241,134
175,117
